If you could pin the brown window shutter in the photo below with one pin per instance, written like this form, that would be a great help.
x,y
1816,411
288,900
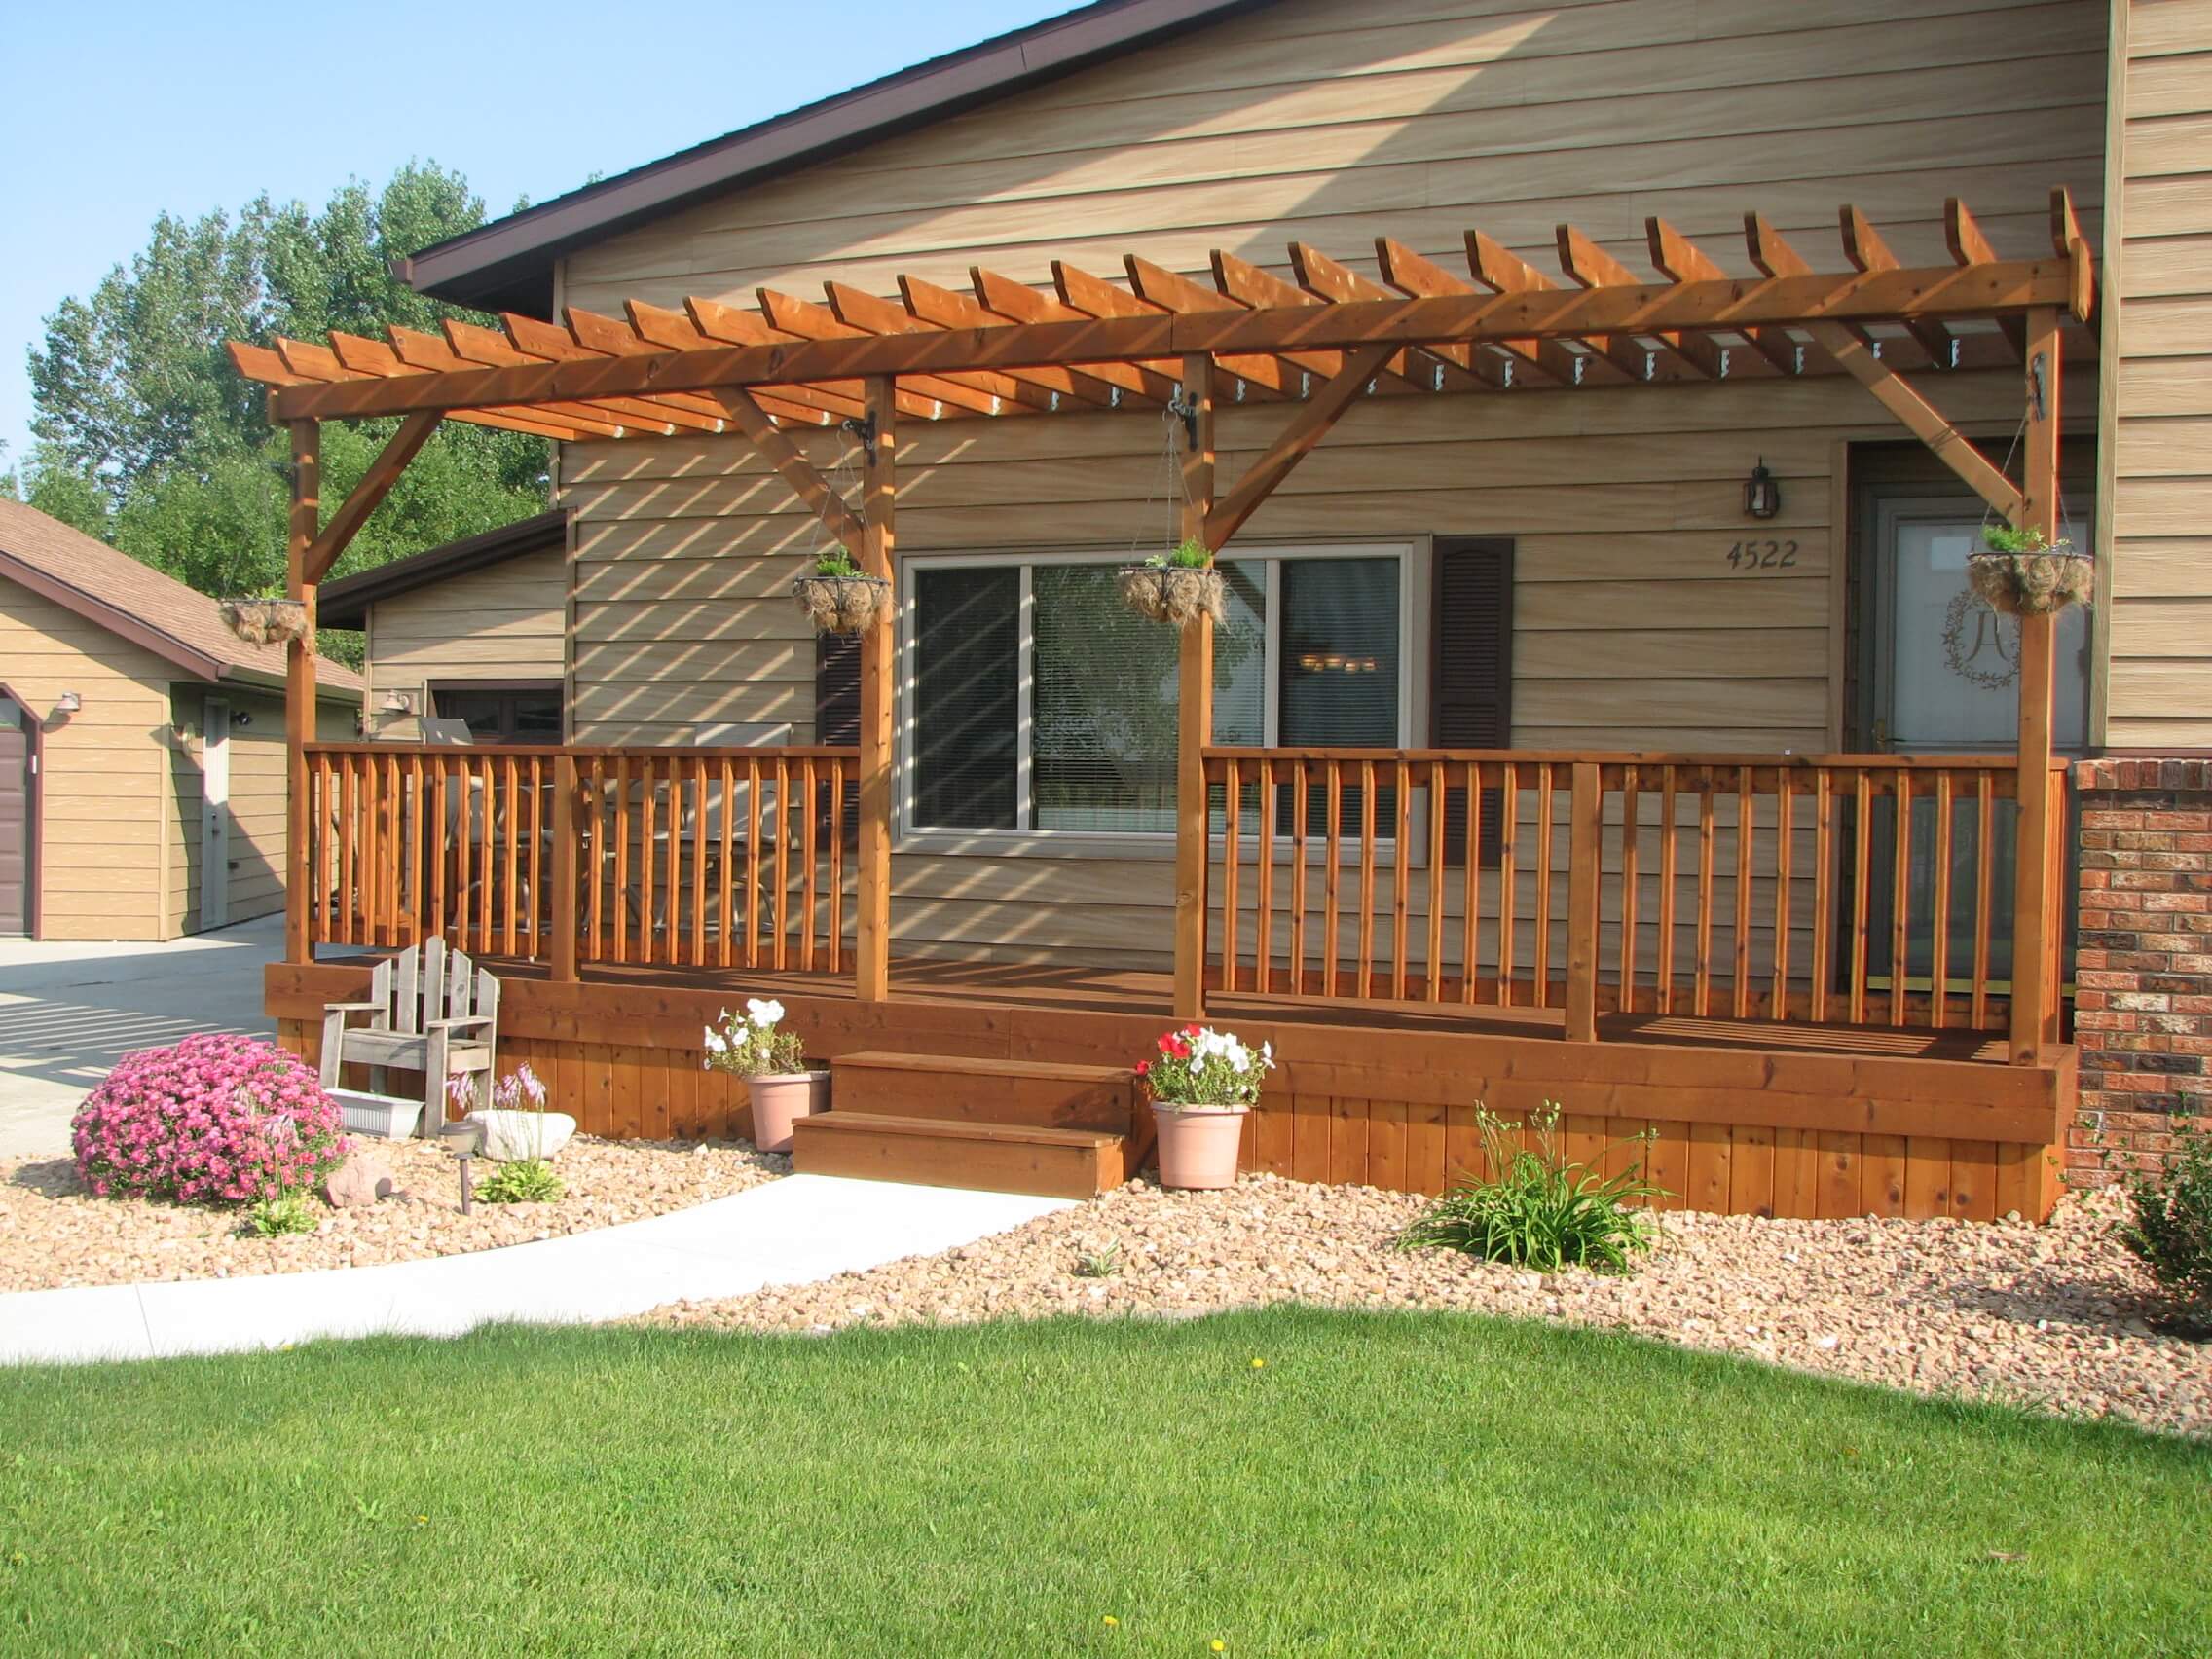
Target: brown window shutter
x,y
837,715
1471,670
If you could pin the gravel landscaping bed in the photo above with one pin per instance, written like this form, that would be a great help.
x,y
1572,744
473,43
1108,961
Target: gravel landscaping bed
x,y
53,1234
2054,1317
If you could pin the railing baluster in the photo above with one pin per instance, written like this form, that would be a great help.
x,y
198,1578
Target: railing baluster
x,y
1939,937
699,824
1401,875
1706,896
1471,887
836,928
1508,888
783,860
1664,970
1631,833
811,835
1823,892
595,785
1436,863
1366,878
1329,876
1784,833
1901,900
1232,860
754,818
1298,785
511,843
1862,872
1263,887
623,903
537,862
1746,837
1985,838
1544,962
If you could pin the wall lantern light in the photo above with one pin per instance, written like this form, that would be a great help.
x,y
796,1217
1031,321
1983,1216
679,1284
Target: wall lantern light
x,y
1762,493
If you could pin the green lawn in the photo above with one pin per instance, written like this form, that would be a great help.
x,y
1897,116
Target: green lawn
x,y
1389,1485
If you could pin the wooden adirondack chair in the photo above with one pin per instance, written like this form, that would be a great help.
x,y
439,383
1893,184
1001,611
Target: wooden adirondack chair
x,y
429,1010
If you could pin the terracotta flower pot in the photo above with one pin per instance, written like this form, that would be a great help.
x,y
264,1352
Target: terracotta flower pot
x,y
779,1102
1198,1144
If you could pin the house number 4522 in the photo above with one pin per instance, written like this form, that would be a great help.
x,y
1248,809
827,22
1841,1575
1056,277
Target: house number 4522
x,y
1762,555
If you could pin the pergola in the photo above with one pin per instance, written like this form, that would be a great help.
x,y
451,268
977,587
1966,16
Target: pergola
x,y
1322,343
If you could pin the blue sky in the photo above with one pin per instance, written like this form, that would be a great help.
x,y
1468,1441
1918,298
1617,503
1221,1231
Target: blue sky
x,y
119,112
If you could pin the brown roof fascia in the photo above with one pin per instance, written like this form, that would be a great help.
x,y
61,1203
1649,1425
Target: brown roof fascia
x,y
124,625
507,265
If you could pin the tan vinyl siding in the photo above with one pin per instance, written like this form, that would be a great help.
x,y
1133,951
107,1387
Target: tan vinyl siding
x,y
1318,121
506,621
101,785
256,798
2160,625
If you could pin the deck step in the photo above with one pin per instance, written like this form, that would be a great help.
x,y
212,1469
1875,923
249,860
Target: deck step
x,y
952,1089
933,1152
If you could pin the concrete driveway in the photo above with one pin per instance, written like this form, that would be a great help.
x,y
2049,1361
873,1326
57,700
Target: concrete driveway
x,y
69,1011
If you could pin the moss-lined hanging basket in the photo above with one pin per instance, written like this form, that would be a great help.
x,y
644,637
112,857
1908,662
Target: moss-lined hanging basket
x,y
842,604
2031,580
1177,594
264,621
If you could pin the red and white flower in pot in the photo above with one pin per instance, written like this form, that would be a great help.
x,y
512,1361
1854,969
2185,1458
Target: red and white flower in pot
x,y
773,1064
1201,1083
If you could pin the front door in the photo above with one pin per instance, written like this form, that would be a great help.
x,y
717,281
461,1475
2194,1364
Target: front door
x,y
1945,679
19,781
214,813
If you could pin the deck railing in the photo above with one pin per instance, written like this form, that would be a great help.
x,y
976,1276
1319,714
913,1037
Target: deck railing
x,y
729,858
1860,889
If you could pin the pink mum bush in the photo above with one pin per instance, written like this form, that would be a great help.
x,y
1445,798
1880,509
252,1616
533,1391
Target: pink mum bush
x,y
215,1119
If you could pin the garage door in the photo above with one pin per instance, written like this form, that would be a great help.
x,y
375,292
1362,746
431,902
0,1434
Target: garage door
x,y
16,785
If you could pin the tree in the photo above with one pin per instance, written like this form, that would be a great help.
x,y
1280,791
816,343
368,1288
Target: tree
x,y
146,436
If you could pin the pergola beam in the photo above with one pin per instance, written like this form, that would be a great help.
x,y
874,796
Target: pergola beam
x,y
1977,290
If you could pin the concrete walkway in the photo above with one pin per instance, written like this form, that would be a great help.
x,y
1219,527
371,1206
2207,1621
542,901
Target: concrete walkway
x,y
795,1231
68,1012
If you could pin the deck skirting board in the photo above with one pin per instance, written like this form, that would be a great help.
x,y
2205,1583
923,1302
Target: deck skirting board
x,y
1787,1132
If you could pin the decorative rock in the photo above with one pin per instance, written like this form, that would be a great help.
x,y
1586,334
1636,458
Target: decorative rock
x,y
509,1136
358,1183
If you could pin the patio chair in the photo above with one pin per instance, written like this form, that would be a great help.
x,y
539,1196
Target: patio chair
x,y
429,1010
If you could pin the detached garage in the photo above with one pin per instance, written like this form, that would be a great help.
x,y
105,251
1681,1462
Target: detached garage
x,y
141,746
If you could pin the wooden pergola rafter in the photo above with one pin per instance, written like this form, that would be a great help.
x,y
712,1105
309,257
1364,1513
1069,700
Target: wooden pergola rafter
x,y
1321,339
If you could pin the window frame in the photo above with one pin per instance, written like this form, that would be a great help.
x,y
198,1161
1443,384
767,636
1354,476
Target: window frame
x,y
555,688
1411,554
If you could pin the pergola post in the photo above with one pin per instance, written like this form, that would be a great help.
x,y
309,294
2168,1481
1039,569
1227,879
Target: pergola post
x,y
1194,714
2034,1010
872,909
300,687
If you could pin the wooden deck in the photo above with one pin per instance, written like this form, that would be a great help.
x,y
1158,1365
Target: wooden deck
x,y
1748,1116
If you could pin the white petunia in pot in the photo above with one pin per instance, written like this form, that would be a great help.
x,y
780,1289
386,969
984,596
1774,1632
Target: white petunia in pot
x,y
1202,1083
773,1063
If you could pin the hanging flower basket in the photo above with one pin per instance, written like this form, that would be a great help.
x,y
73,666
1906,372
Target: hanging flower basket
x,y
264,621
842,605
1178,594
2032,579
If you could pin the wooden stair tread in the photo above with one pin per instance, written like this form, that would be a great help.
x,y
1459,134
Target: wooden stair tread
x,y
950,1129
938,1152
970,1066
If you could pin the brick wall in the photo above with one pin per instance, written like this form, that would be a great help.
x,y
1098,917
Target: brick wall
x,y
2143,960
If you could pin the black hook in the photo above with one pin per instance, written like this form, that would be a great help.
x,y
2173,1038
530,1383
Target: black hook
x,y
862,428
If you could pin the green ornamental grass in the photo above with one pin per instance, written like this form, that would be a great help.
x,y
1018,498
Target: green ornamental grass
x,y
1533,1209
